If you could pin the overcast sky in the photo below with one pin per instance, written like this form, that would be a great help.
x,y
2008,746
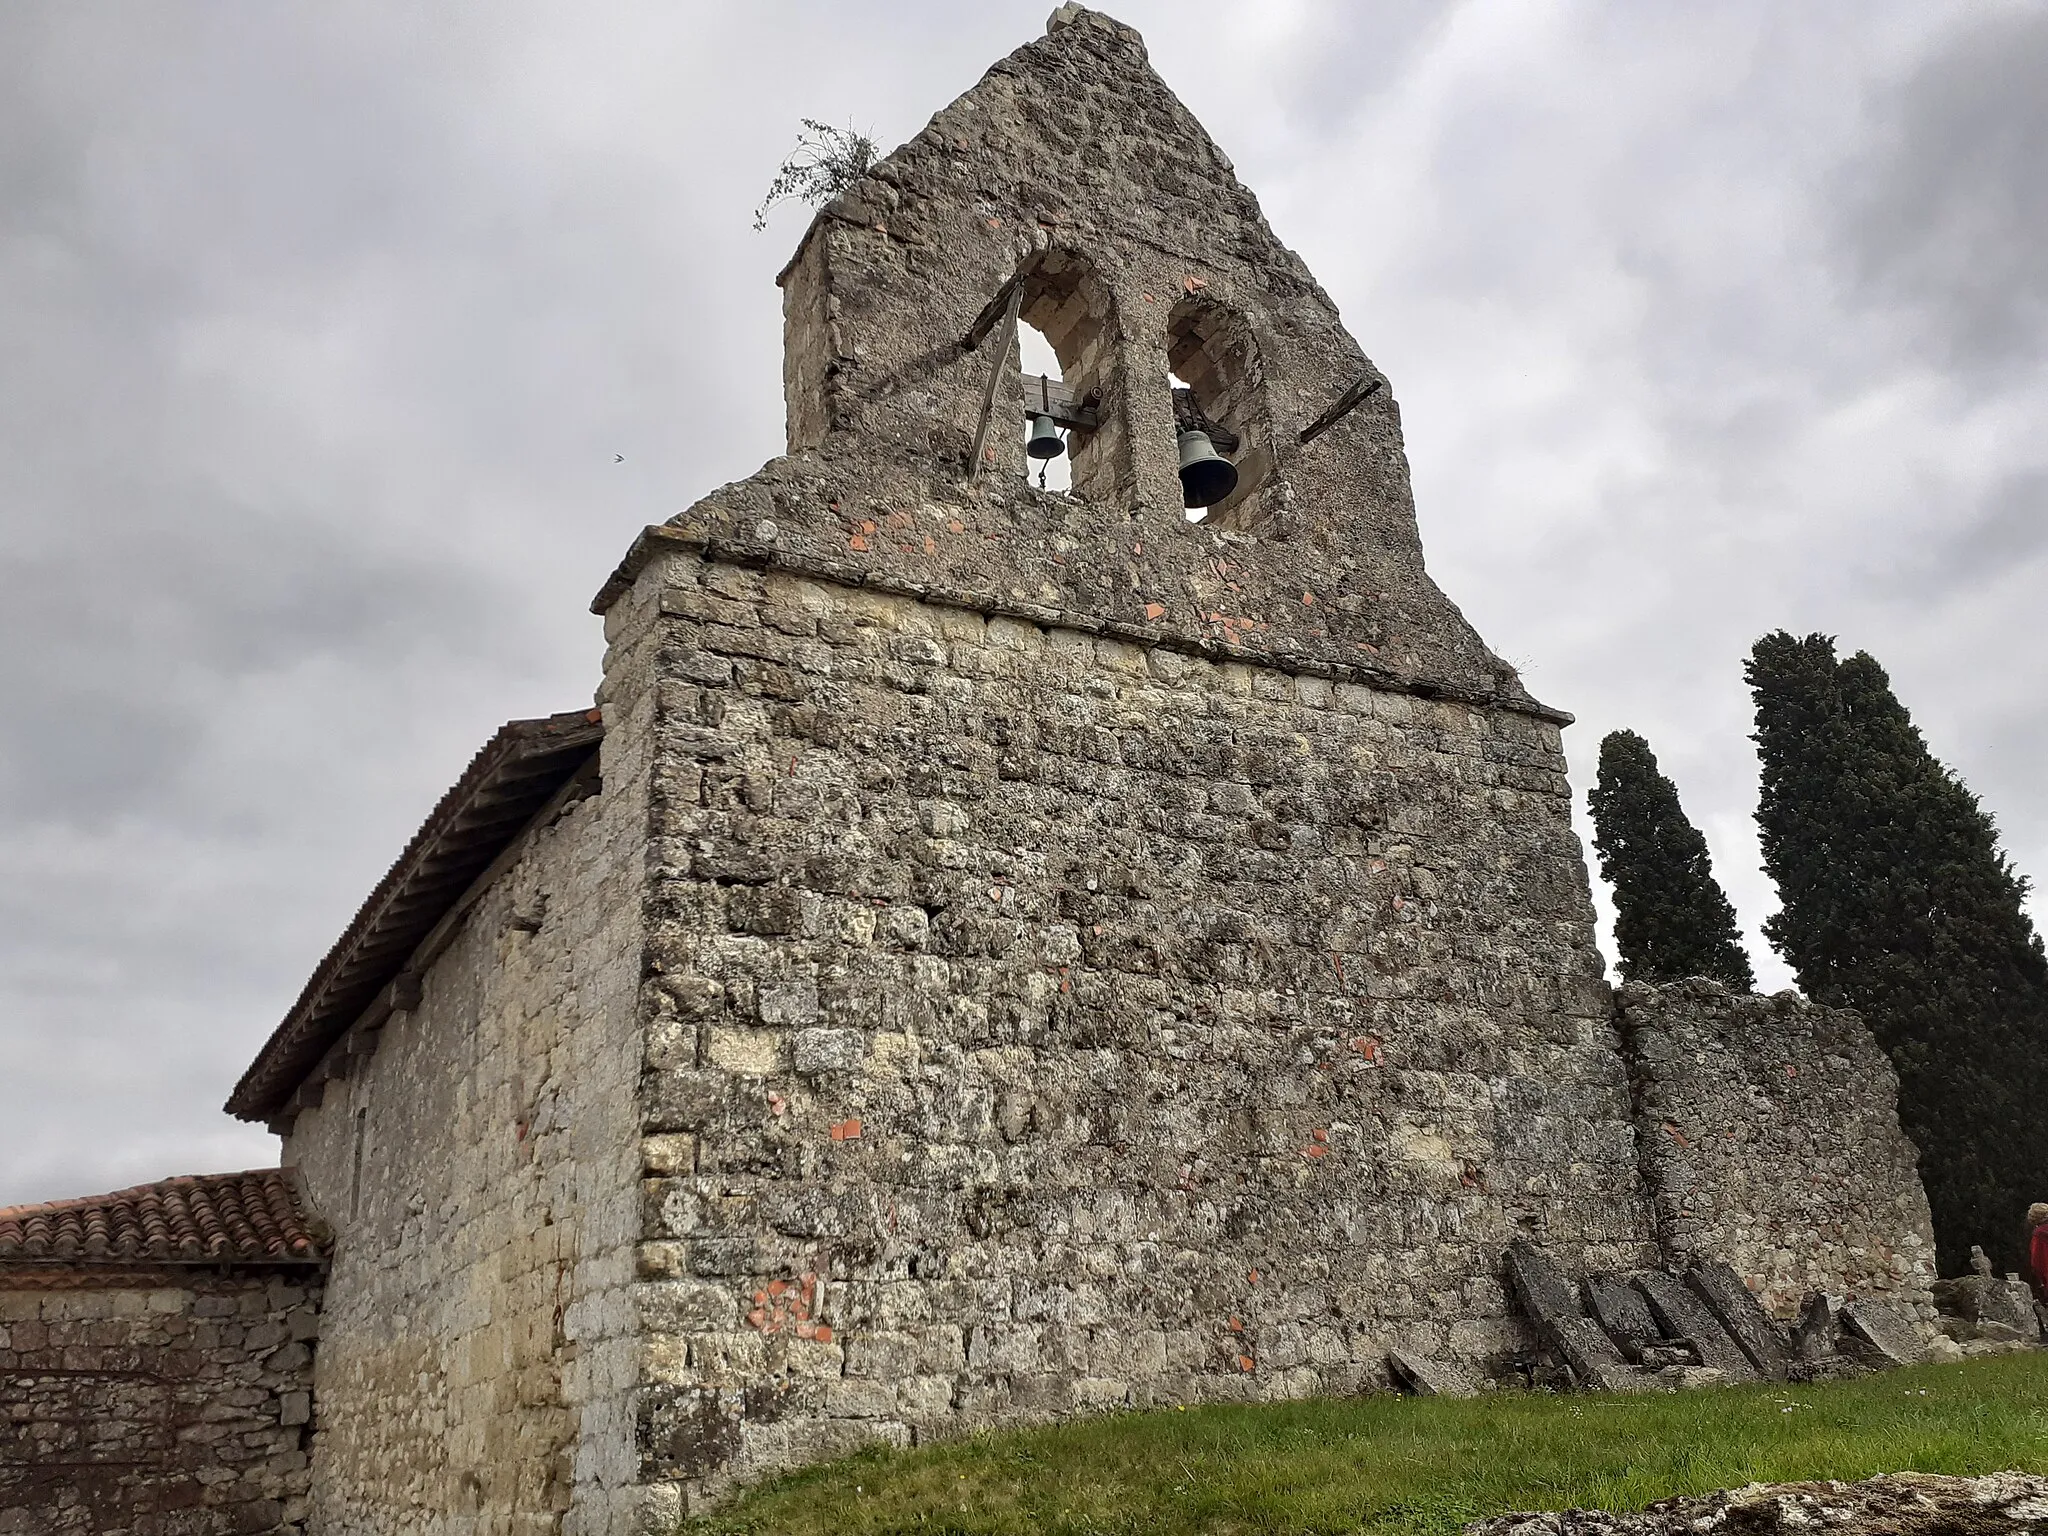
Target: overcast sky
x,y
320,327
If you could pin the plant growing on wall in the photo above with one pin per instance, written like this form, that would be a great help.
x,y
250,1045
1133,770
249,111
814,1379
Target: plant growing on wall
x,y
1897,902
1672,919
825,162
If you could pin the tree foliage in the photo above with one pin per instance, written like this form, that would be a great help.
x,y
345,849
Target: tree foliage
x,y
1896,901
1671,919
825,162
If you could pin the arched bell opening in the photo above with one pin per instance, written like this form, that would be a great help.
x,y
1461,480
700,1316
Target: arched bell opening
x,y
1070,310
1221,416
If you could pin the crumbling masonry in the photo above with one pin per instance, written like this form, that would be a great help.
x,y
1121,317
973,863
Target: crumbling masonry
x,y
995,954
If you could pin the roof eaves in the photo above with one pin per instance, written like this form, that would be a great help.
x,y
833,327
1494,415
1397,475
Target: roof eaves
x,y
510,779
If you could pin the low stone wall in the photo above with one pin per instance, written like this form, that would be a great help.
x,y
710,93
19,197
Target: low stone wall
x,y
159,1399
1769,1137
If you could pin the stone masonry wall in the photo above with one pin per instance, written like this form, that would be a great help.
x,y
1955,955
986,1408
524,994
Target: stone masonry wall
x,y
478,1349
154,1401
1770,1138
1036,1022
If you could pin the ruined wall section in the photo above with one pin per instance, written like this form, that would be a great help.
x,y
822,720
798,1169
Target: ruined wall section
x,y
1039,1022
1770,1139
154,1399
478,1351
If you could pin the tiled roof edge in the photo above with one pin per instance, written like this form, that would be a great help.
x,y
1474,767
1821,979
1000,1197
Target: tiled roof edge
x,y
252,1217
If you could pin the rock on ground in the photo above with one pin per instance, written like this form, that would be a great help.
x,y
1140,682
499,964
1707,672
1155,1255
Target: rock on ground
x,y
1899,1504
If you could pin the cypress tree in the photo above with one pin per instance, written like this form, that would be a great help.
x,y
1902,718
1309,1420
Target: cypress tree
x,y
1896,901
1671,918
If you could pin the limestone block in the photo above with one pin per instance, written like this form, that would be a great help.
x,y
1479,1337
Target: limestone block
x,y
1430,1378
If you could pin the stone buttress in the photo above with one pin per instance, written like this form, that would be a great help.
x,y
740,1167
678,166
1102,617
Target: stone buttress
x,y
1091,957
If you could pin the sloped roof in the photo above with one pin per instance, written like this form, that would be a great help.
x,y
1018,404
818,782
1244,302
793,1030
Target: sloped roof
x,y
513,776
210,1218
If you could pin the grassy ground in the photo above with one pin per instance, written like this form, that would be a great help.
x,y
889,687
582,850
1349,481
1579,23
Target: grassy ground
x,y
1403,1465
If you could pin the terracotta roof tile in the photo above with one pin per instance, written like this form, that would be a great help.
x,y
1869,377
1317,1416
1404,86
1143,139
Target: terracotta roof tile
x,y
210,1218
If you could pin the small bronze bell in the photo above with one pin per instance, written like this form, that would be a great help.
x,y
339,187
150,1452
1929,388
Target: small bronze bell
x,y
1206,477
1045,441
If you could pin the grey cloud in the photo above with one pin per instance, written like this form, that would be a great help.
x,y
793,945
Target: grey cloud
x,y
1349,53
1946,212
136,637
319,330
2005,531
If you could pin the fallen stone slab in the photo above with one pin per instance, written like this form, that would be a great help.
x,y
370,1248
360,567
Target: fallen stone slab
x,y
1430,1378
1684,1316
1736,1309
1882,1329
1901,1504
1619,1308
1552,1302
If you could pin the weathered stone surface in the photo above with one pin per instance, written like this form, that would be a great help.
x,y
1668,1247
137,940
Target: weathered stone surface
x,y
1770,1139
1818,1331
1683,1316
1691,1378
1883,1328
1738,1311
153,1399
1073,166
1987,1302
1619,1308
1551,1300
1658,1357
1430,1378
1903,1504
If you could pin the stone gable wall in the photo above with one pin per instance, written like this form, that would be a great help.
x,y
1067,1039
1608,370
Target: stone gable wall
x,y
154,1400
1072,163
1036,1022
1770,1138
478,1347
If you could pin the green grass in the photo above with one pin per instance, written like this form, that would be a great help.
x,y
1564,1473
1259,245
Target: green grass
x,y
1405,1465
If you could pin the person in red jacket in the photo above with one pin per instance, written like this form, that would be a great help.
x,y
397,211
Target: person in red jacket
x,y
2037,1248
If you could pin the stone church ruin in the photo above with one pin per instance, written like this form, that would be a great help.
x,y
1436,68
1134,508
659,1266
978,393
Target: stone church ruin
x,y
992,954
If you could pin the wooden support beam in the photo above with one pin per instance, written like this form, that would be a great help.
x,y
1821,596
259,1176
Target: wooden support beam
x,y
1009,300
999,369
1355,396
1048,396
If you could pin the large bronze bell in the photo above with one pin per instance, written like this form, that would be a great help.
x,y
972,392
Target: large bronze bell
x,y
1045,441
1206,477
